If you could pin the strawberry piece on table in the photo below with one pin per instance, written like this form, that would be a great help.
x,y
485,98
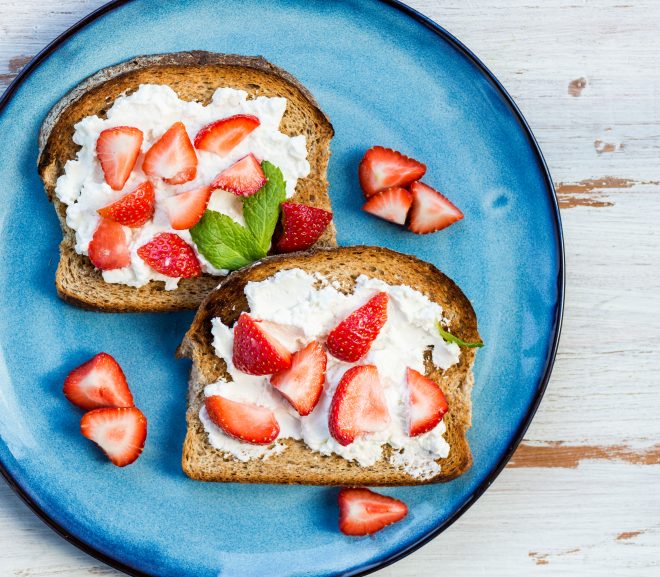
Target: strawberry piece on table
x,y
185,209
120,432
168,254
256,352
117,150
244,421
390,204
108,248
427,403
358,406
351,339
223,135
302,383
302,226
132,209
172,157
430,210
383,168
243,178
363,512
99,382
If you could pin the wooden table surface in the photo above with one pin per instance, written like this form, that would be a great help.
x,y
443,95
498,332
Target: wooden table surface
x,y
582,493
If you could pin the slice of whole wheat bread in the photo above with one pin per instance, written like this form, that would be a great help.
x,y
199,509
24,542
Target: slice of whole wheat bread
x,y
298,464
193,76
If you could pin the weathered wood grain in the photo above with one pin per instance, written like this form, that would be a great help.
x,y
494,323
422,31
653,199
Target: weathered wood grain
x,y
580,496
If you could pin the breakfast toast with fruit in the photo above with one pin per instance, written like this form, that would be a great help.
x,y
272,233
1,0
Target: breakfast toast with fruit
x,y
348,366
167,171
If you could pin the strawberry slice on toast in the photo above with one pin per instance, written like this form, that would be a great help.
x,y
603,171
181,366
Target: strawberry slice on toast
x,y
363,512
302,226
223,135
255,352
99,382
302,383
120,432
172,157
427,403
117,150
358,406
132,209
168,254
108,248
430,210
383,168
243,178
244,421
186,209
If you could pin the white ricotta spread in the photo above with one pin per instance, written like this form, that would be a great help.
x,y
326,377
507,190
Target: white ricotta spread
x,y
299,308
153,109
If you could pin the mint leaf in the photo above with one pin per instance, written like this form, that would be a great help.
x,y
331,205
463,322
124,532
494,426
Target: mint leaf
x,y
448,337
262,210
224,242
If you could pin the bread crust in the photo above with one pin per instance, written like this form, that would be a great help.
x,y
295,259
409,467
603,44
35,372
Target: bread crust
x,y
298,464
194,76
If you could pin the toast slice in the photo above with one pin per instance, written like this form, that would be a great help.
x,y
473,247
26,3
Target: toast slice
x,y
193,76
298,464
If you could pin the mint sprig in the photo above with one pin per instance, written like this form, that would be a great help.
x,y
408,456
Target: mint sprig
x,y
228,245
448,337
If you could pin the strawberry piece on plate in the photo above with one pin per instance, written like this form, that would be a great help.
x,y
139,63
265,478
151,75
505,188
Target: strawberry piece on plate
x,y
427,403
382,168
302,226
172,157
244,421
132,209
185,209
390,204
120,432
430,210
99,382
302,383
256,352
243,178
358,406
117,150
223,135
108,248
168,254
351,339
363,512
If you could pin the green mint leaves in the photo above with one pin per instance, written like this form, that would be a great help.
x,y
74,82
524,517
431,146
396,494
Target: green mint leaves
x,y
448,337
228,245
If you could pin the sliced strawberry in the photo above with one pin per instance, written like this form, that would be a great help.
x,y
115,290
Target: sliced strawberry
x,y
430,210
185,209
172,157
427,403
383,168
223,135
168,254
255,351
358,406
120,432
390,204
108,248
363,512
302,226
302,383
99,382
117,150
351,339
243,178
132,209
244,421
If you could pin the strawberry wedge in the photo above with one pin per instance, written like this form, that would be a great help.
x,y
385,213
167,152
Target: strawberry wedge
x,y
255,352
391,204
427,403
243,178
302,226
168,254
430,210
363,512
244,421
223,135
383,168
117,150
172,157
108,248
132,209
186,209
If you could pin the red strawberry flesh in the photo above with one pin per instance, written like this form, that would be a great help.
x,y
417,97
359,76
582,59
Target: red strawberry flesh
x,y
427,403
430,210
383,168
358,406
117,150
391,204
302,383
108,248
247,422
120,432
363,512
172,157
99,382
243,178
302,226
223,135
132,209
168,254
351,339
255,352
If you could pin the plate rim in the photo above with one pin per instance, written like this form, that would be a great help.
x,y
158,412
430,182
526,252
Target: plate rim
x,y
517,437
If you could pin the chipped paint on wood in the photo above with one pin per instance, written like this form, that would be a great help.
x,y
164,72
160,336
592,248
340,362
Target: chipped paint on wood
x,y
575,87
589,192
569,456
13,68
603,147
627,535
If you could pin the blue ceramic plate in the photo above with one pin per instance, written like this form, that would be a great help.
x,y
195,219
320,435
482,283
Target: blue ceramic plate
x,y
385,75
